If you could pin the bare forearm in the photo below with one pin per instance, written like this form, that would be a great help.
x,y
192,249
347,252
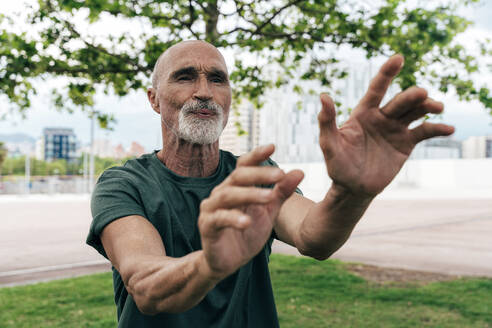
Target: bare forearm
x,y
170,284
329,223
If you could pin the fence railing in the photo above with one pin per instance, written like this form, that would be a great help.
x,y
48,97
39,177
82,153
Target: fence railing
x,y
45,185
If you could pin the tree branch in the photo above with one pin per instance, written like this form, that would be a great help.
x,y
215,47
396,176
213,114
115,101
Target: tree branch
x,y
80,70
187,25
268,21
126,59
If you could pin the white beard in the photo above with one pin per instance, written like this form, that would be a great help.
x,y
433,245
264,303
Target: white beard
x,y
198,130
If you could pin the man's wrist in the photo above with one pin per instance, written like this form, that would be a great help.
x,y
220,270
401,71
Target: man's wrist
x,y
339,192
340,199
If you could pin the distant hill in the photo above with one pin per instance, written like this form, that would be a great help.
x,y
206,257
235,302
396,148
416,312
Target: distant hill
x,y
17,138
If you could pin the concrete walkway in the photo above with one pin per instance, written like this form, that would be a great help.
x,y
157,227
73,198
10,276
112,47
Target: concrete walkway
x,y
43,237
445,236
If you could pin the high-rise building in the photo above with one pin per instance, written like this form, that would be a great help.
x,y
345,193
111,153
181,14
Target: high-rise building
x,y
58,143
247,118
477,147
291,122
437,148
292,127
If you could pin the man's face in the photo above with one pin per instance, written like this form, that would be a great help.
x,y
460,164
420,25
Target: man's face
x,y
193,94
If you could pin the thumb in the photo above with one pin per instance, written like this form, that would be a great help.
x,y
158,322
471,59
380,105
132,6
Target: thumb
x,y
285,187
288,184
328,130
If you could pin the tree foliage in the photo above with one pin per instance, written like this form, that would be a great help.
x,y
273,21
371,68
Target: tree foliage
x,y
3,153
17,166
299,36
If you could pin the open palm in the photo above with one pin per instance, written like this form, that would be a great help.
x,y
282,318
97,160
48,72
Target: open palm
x,y
367,152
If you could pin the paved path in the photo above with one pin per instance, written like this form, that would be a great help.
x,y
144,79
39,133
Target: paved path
x,y
43,237
446,236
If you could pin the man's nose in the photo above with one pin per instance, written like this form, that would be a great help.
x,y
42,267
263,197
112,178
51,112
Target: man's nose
x,y
202,91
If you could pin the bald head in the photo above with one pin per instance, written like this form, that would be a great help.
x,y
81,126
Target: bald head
x,y
191,73
180,51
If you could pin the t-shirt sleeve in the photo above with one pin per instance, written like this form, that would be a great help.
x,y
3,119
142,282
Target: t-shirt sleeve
x,y
271,162
114,197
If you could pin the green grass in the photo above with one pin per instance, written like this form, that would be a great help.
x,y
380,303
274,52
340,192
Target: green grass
x,y
323,294
308,294
79,302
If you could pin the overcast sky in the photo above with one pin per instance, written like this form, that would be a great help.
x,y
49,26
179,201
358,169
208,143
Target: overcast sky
x,y
137,121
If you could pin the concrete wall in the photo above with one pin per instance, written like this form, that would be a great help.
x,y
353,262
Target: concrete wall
x,y
44,185
458,173
461,175
444,174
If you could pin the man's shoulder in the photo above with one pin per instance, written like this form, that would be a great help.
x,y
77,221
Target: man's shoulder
x,y
131,169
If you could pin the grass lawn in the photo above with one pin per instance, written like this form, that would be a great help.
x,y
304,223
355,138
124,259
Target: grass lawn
x,y
308,294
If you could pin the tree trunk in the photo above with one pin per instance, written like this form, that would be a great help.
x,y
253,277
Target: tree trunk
x,y
211,19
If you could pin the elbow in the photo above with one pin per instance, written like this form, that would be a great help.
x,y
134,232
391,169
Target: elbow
x,y
150,302
150,308
146,308
165,306
318,251
316,254
143,297
321,247
320,257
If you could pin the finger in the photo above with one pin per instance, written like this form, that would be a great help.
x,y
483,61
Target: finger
x,y
233,197
254,175
327,115
328,130
223,218
429,106
380,83
256,156
428,130
287,185
404,102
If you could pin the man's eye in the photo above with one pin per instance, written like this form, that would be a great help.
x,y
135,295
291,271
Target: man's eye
x,y
184,78
217,79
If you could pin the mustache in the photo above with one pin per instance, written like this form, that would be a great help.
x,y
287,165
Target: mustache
x,y
196,105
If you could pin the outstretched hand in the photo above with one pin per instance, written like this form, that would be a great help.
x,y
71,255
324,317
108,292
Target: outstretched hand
x,y
237,219
365,154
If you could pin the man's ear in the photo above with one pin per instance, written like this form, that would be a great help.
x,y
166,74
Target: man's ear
x,y
154,103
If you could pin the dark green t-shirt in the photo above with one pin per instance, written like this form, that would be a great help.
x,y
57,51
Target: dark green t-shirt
x,y
145,187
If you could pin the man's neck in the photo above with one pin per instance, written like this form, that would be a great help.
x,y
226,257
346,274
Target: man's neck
x,y
191,160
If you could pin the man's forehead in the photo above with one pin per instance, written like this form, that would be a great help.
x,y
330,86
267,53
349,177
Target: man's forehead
x,y
201,65
200,55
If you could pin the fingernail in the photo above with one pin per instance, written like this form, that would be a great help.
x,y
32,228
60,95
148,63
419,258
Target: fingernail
x,y
262,148
399,55
265,147
277,173
265,192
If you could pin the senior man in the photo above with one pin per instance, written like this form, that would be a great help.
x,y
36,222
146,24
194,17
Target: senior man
x,y
189,228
